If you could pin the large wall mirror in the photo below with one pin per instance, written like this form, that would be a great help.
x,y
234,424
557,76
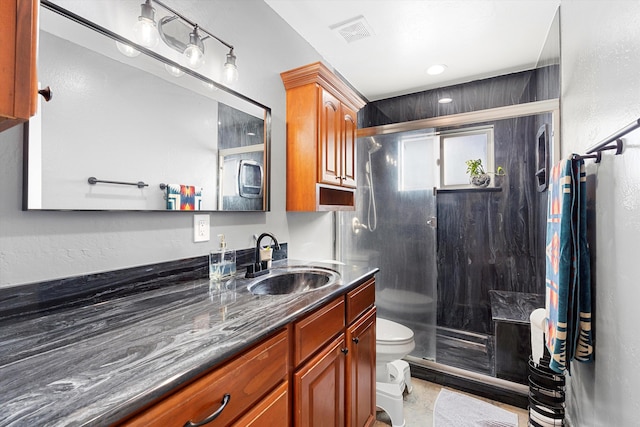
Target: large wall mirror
x,y
137,133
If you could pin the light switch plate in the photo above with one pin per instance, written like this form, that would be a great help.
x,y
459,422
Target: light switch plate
x,y
201,228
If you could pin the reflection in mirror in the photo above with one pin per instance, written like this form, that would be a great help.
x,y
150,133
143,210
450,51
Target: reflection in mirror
x,y
126,120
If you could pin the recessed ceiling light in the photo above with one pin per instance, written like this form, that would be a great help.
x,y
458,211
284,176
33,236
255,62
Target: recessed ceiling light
x,y
445,100
436,69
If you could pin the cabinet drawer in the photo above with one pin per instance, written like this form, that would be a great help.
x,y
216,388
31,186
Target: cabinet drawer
x,y
273,410
246,378
360,300
315,330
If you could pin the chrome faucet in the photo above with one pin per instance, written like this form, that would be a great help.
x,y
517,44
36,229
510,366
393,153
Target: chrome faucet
x,y
257,268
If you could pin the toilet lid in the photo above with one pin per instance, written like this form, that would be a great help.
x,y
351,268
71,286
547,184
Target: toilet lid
x,y
388,331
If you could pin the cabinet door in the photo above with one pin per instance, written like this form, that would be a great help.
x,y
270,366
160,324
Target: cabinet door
x,y
348,147
319,389
361,371
329,140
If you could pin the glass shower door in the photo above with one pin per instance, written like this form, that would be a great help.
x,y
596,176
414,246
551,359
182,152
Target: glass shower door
x,y
394,228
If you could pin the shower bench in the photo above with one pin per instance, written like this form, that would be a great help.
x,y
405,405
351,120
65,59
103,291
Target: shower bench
x,y
510,313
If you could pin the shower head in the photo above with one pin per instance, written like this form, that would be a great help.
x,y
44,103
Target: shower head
x,y
373,145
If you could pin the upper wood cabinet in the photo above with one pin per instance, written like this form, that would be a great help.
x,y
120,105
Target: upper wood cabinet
x,y
18,77
321,140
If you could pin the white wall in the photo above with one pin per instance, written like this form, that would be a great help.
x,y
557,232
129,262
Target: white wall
x,y
36,246
601,94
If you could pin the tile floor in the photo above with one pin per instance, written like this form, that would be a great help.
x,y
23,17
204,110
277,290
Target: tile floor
x,y
418,406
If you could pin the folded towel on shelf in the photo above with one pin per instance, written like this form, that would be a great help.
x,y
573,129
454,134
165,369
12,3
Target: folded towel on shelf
x,y
182,197
568,276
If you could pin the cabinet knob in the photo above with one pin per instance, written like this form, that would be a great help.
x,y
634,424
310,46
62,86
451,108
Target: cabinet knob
x,y
355,340
213,416
344,351
46,93
337,177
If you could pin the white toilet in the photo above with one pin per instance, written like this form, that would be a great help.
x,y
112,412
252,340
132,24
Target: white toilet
x,y
393,342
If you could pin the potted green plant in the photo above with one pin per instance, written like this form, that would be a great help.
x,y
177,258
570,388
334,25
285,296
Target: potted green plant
x,y
478,176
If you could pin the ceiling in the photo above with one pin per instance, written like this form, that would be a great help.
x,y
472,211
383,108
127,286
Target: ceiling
x,y
392,43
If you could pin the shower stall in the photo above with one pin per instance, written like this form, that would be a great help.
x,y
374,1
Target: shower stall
x,y
441,247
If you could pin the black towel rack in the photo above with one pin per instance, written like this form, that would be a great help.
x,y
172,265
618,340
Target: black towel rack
x,y
595,152
93,181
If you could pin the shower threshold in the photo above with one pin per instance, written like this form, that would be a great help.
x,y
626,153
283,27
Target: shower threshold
x,y
472,382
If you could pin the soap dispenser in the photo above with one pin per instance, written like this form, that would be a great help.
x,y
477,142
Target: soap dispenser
x,y
222,262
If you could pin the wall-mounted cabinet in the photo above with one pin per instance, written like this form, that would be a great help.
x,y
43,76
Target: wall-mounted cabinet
x,y
321,140
18,78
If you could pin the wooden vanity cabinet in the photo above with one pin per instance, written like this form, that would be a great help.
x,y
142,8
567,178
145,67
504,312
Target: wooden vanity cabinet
x,y
321,140
335,386
248,379
318,371
18,78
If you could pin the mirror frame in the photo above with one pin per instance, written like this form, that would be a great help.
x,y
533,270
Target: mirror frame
x,y
28,128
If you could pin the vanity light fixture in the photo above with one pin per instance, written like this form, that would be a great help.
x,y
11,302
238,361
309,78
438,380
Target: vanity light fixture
x,y
144,30
191,46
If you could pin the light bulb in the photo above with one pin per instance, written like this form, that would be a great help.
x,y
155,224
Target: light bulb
x,y
230,69
144,30
195,50
145,33
127,50
195,57
174,71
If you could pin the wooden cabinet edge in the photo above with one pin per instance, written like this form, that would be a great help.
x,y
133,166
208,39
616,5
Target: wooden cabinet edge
x,y
319,73
19,56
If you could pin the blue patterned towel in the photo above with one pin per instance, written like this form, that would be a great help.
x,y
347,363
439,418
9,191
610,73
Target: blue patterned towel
x,y
568,276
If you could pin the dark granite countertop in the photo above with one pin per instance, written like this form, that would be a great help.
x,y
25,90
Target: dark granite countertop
x,y
514,307
97,363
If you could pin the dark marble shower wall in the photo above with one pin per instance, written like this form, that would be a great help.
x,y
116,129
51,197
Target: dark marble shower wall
x,y
477,95
492,239
485,239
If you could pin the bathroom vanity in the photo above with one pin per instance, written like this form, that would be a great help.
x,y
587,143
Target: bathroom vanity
x,y
180,352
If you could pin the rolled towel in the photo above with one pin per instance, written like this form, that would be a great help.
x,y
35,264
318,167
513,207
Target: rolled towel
x,y
538,319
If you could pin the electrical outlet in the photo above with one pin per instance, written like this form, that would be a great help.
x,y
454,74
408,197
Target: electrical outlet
x,y
201,228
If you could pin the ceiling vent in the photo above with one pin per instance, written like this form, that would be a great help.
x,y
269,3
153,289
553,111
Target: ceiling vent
x,y
353,29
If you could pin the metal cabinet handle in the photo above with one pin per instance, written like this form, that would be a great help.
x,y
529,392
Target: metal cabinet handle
x,y
213,416
355,340
46,93
345,351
